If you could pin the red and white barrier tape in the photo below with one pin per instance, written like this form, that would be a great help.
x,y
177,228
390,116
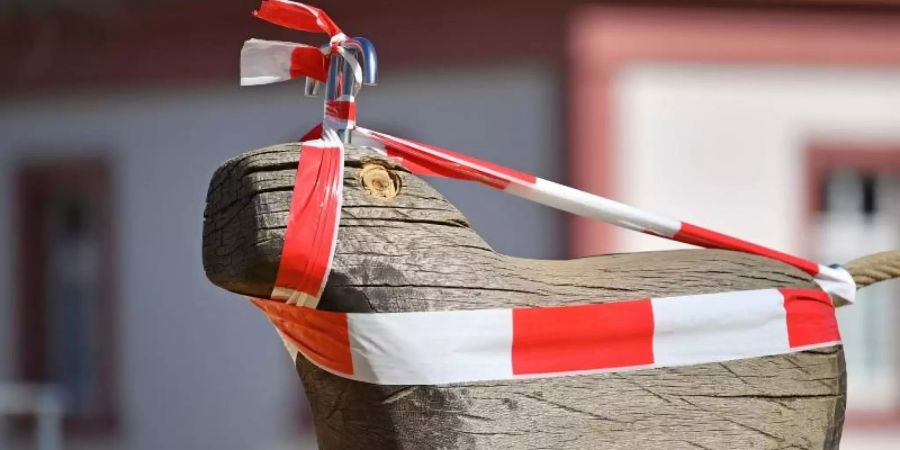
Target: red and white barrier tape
x,y
498,344
264,62
311,233
457,346
424,159
297,16
340,114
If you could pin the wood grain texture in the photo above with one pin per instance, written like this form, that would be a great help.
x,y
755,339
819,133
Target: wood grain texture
x,y
416,252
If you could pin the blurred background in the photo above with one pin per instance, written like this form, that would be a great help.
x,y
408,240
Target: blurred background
x,y
777,121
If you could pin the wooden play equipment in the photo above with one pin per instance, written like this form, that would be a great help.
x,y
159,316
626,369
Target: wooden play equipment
x,y
403,247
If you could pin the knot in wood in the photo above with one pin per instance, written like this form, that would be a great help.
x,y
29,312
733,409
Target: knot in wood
x,y
379,182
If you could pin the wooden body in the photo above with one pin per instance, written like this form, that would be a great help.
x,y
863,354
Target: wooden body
x,y
403,247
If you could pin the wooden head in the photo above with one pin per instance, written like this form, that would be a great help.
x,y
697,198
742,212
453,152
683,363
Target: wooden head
x,y
403,247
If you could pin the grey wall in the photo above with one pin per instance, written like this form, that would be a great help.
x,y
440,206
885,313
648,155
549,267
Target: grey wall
x,y
199,367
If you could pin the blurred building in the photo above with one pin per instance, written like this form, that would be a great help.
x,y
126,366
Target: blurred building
x,y
776,121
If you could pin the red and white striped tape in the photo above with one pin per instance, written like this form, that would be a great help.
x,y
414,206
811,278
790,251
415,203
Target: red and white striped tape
x,y
340,114
456,346
424,159
264,62
498,344
297,16
311,233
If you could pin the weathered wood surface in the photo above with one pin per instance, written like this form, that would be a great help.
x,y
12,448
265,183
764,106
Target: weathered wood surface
x,y
416,252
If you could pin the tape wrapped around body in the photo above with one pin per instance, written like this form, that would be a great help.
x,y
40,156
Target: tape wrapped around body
x,y
413,251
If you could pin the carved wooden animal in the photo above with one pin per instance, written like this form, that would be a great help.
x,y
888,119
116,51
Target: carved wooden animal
x,y
403,247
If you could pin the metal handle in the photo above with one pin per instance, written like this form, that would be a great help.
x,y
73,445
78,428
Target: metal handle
x,y
364,51
341,83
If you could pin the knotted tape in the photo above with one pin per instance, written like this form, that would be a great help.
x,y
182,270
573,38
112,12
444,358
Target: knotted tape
x,y
458,346
265,62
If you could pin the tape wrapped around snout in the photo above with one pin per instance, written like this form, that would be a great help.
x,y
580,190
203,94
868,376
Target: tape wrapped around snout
x,y
438,347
